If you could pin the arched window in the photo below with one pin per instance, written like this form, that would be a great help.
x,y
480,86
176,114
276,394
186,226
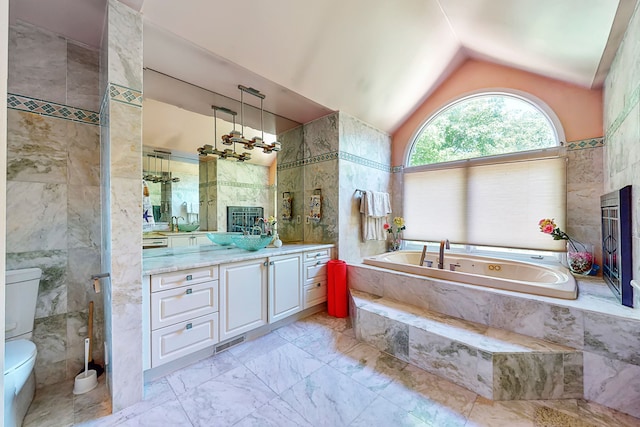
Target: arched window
x,y
483,171
482,125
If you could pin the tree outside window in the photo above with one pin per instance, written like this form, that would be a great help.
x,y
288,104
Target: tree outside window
x,y
482,125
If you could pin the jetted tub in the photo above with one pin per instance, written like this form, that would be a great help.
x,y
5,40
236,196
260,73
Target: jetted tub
x,y
530,278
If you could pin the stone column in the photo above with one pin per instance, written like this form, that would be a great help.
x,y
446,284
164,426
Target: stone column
x,y
121,141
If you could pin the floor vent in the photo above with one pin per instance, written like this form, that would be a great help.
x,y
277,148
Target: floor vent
x,y
231,343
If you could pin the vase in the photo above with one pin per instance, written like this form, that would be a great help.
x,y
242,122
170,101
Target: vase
x,y
394,244
579,257
277,242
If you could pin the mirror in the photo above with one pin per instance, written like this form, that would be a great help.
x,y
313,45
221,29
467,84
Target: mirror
x,y
173,183
177,119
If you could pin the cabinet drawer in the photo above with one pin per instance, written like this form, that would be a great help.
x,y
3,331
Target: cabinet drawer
x,y
160,282
315,270
315,293
319,254
184,303
184,338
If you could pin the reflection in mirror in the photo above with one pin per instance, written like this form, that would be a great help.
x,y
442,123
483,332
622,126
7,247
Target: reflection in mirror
x,y
173,186
178,118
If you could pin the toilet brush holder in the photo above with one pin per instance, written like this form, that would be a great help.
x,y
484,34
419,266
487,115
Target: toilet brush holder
x,y
87,380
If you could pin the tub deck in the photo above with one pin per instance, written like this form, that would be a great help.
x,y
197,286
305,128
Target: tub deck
x,y
518,276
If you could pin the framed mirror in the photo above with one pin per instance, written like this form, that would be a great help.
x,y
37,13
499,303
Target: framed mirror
x,y
177,119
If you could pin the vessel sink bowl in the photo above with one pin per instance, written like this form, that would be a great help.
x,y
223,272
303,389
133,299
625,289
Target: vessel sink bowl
x,y
188,227
251,243
222,238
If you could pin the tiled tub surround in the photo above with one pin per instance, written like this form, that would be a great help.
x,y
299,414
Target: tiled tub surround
x,y
604,332
494,363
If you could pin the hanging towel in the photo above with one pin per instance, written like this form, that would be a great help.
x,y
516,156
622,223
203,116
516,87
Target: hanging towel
x,y
379,204
374,208
286,208
147,209
315,208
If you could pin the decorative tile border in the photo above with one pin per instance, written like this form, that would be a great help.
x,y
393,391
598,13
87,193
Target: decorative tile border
x,y
585,143
629,105
315,159
51,109
125,95
364,162
243,185
334,155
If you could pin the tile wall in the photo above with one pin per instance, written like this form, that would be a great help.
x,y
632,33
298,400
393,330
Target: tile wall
x,y
228,183
53,190
333,155
365,157
607,376
622,125
121,143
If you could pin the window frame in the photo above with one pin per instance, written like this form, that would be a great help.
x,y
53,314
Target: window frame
x,y
558,150
534,101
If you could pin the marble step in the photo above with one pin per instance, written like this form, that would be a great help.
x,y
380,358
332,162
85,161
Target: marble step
x,y
495,363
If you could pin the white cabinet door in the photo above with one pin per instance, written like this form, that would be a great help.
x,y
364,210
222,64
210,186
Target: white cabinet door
x,y
285,286
243,297
178,241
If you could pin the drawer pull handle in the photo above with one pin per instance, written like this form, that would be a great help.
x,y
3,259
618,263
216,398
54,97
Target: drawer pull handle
x,y
189,277
189,291
318,263
271,263
318,285
266,263
189,326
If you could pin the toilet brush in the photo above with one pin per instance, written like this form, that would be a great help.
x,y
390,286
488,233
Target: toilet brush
x,y
86,380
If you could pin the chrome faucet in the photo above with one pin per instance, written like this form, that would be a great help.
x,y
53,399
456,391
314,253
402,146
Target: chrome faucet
x,y
174,224
444,244
259,226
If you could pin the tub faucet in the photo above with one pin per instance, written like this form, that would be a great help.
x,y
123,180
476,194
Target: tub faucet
x,y
444,244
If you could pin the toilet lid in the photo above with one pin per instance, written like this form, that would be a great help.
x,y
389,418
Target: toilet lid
x,y
17,353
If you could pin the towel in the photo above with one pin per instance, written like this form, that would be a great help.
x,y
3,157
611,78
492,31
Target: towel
x,y
374,208
147,209
315,208
286,208
375,204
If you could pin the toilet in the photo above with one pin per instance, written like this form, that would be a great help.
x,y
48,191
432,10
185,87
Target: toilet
x,y
21,292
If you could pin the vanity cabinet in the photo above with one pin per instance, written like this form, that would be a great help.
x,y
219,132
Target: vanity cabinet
x,y
188,240
183,313
285,286
243,297
315,276
190,310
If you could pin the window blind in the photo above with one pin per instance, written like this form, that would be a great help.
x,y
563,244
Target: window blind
x,y
487,204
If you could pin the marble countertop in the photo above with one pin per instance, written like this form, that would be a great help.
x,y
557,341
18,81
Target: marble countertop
x,y
165,260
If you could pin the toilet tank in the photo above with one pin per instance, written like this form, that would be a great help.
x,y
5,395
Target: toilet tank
x,y
21,292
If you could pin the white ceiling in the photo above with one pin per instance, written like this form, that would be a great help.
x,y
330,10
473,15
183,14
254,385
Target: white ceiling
x,y
376,61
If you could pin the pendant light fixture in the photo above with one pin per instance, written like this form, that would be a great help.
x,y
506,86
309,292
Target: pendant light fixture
x,y
237,137
155,177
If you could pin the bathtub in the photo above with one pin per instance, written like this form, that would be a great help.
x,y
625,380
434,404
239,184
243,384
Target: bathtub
x,y
530,278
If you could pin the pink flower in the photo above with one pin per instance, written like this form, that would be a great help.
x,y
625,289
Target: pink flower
x,y
386,226
548,228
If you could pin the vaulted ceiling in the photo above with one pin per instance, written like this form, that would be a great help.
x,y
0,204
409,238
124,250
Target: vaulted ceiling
x,y
376,61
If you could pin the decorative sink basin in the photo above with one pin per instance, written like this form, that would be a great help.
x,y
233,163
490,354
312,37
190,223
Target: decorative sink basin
x,y
188,227
222,238
251,243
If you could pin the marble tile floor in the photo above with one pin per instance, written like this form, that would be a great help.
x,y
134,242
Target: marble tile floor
x,y
310,373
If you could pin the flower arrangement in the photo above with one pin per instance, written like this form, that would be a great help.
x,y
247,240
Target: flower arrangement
x,y
398,223
271,225
579,257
